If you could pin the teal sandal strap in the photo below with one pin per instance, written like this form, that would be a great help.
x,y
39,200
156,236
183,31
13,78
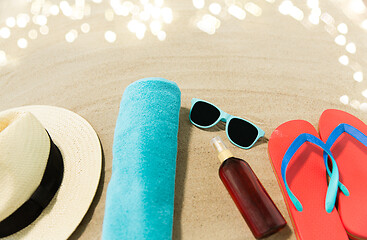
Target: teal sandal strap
x,y
334,176
334,135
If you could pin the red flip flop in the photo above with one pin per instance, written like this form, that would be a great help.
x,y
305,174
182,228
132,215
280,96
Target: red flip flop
x,y
306,177
345,134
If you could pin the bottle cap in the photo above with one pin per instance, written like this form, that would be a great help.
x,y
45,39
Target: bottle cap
x,y
220,147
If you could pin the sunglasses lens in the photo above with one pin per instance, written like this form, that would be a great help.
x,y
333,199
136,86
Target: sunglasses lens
x,y
204,114
241,132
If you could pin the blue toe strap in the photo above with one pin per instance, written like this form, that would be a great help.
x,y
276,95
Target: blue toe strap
x,y
334,175
335,134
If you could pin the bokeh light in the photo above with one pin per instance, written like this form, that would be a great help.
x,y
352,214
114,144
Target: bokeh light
x,y
71,36
351,48
22,20
41,20
364,24
85,27
152,15
215,8
10,22
364,93
54,10
344,60
22,43
358,76
327,18
331,29
237,12
44,30
199,4
138,28
161,35
208,24
155,27
357,6
297,13
343,28
314,19
158,3
110,36
109,15
4,32
363,107
167,15
253,9
344,99
340,40
33,34
315,15
287,8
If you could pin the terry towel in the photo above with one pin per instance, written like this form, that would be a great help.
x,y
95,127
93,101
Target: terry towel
x,y
139,202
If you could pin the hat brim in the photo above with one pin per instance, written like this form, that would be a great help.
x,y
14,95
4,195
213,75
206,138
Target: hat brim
x,y
82,156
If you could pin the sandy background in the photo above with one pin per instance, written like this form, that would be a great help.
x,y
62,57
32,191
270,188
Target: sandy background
x,y
268,69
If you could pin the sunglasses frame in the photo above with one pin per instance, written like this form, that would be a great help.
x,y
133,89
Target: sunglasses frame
x,y
225,117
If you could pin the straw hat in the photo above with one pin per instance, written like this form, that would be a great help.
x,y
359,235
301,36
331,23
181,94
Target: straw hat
x,y
28,156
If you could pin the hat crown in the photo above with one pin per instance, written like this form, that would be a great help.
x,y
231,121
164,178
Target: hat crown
x,y
24,151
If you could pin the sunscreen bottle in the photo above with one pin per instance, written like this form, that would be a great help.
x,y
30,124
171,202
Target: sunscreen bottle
x,y
250,197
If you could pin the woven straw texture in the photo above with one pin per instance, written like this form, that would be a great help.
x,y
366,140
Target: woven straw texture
x,y
24,151
82,155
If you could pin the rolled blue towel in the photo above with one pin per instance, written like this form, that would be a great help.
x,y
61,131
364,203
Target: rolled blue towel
x,y
139,202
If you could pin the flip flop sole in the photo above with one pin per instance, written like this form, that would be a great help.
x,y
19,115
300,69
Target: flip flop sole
x,y
351,157
306,177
